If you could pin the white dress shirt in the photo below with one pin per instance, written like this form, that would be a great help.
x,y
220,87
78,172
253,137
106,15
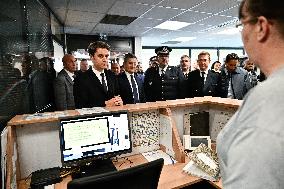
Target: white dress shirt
x,y
128,75
98,74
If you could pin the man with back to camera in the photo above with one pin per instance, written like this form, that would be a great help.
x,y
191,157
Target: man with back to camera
x,y
98,87
130,85
63,84
164,82
250,146
203,81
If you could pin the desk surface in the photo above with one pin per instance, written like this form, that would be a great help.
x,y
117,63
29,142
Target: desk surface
x,y
172,176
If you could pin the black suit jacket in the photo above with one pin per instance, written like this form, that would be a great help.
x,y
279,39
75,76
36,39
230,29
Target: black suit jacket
x,y
211,87
89,92
126,91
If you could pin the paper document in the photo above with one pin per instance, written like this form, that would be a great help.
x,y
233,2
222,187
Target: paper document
x,y
45,115
91,110
153,155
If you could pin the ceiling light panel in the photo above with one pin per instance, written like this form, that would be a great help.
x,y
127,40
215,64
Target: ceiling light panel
x,y
129,9
172,25
156,32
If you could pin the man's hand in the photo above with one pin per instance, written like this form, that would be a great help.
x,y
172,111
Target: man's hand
x,y
115,101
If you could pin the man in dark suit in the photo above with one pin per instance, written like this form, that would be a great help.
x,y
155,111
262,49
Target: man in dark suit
x,y
164,82
130,85
185,65
98,86
203,81
63,84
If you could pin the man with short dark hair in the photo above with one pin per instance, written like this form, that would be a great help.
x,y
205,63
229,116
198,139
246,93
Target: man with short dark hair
x,y
115,68
185,65
164,82
250,146
130,85
84,65
97,87
234,79
203,81
249,67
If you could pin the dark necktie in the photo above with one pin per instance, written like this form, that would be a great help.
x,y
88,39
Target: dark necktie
x,y
103,82
185,75
163,73
135,92
202,76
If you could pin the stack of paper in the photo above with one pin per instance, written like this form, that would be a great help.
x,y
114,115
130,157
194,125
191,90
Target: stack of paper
x,y
204,163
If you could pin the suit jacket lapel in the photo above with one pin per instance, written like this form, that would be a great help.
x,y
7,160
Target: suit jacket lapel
x,y
95,80
68,77
138,82
125,80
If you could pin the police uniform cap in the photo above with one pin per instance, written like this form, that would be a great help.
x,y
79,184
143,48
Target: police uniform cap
x,y
163,50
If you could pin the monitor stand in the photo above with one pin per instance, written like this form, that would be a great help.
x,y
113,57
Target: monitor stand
x,y
95,168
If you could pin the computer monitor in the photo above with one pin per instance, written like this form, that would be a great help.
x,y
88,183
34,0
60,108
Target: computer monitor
x,y
145,176
86,138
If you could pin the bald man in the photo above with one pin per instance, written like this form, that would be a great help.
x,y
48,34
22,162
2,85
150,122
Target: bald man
x,y
63,84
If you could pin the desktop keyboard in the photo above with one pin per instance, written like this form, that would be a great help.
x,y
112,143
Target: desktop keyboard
x,y
45,177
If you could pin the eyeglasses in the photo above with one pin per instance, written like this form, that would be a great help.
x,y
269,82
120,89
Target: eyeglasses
x,y
240,25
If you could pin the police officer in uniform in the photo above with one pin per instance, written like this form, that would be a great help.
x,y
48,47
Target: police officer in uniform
x,y
163,82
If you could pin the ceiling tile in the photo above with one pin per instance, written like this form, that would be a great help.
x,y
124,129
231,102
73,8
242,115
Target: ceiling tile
x,y
162,13
60,13
149,2
98,6
180,3
144,22
128,9
215,20
215,6
107,28
74,16
56,4
191,17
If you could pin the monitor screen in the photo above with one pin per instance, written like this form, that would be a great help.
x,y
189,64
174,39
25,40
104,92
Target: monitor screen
x,y
95,136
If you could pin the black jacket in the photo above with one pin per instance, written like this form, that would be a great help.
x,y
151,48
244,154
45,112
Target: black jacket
x,y
125,90
196,88
89,92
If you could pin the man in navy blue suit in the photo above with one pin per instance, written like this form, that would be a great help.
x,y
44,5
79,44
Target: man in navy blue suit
x,y
97,87
130,85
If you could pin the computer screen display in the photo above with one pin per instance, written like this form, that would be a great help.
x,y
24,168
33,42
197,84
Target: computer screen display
x,y
94,136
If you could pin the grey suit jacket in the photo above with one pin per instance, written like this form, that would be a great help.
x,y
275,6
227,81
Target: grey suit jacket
x,y
63,91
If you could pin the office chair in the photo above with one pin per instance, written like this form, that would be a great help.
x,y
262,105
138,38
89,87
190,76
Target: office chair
x,y
145,176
